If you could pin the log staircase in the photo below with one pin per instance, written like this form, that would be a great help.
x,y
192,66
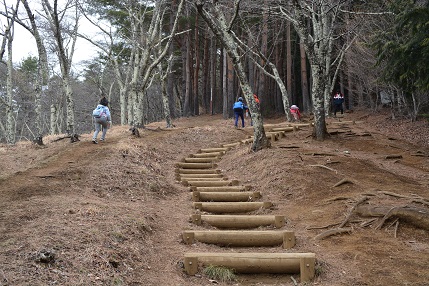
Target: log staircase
x,y
225,204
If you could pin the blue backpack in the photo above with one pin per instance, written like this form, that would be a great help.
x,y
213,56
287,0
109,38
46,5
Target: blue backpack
x,y
97,112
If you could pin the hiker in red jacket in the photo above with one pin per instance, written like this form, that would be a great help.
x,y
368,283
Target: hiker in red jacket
x,y
294,110
255,97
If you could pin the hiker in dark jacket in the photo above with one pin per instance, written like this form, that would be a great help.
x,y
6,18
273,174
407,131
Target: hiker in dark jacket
x,y
239,109
338,103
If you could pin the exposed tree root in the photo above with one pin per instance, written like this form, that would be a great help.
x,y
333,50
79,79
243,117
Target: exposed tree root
x,y
322,227
319,154
364,199
421,201
414,216
340,229
323,166
73,138
332,232
340,198
343,181
395,195
368,222
393,157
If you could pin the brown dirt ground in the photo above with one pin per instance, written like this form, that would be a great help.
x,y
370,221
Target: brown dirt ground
x,y
113,213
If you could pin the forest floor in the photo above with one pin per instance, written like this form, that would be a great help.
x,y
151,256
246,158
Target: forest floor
x,y
113,213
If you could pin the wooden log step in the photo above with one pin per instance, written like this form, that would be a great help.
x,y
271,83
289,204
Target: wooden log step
x,y
221,189
198,196
199,175
201,160
207,155
284,129
186,179
241,238
213,183
271,136
279,134
210,150
276,263
231,207
211,179
302,124
239,221
343,122
231,145
198,171
247,141
183,165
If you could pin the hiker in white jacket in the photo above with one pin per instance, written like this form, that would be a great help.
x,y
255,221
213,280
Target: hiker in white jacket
x,y
102,118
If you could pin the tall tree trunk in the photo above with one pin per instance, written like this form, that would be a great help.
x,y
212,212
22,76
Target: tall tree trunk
x,y
251,69
225,110
205,94
42,72
187,77
317,92
289,64
133,98
213,60
263,86
197,67
52,125
165,98
171,76
350,93
219,26
10,126
65,59
230,94
304,80
70,122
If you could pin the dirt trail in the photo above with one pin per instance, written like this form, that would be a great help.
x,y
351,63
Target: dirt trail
x,y
113,213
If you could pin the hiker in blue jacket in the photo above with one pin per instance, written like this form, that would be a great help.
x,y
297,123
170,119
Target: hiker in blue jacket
x,y
239,109
101,119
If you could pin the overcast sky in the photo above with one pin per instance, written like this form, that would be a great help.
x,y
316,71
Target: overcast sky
x,y
24,45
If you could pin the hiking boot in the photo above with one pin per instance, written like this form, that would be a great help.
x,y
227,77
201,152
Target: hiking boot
x,y
94,141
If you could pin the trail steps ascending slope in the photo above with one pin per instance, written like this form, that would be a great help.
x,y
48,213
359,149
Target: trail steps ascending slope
x,y
228,204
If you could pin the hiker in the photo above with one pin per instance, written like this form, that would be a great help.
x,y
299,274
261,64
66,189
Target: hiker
x,y
255,97
239,109
338,103
294,110
102,119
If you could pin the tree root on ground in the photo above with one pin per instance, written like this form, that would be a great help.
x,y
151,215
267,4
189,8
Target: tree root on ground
x,y
418,217
332,232
340,229
343,181
323,166
415,216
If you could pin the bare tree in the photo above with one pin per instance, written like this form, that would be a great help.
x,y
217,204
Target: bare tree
x,y
216,20
42,71
64,33
146,50
8,35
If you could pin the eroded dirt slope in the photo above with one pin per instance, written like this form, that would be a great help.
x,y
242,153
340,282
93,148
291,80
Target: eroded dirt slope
x,y
112,213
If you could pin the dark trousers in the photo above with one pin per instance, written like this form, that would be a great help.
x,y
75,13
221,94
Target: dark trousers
x,y
338,107
239,113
